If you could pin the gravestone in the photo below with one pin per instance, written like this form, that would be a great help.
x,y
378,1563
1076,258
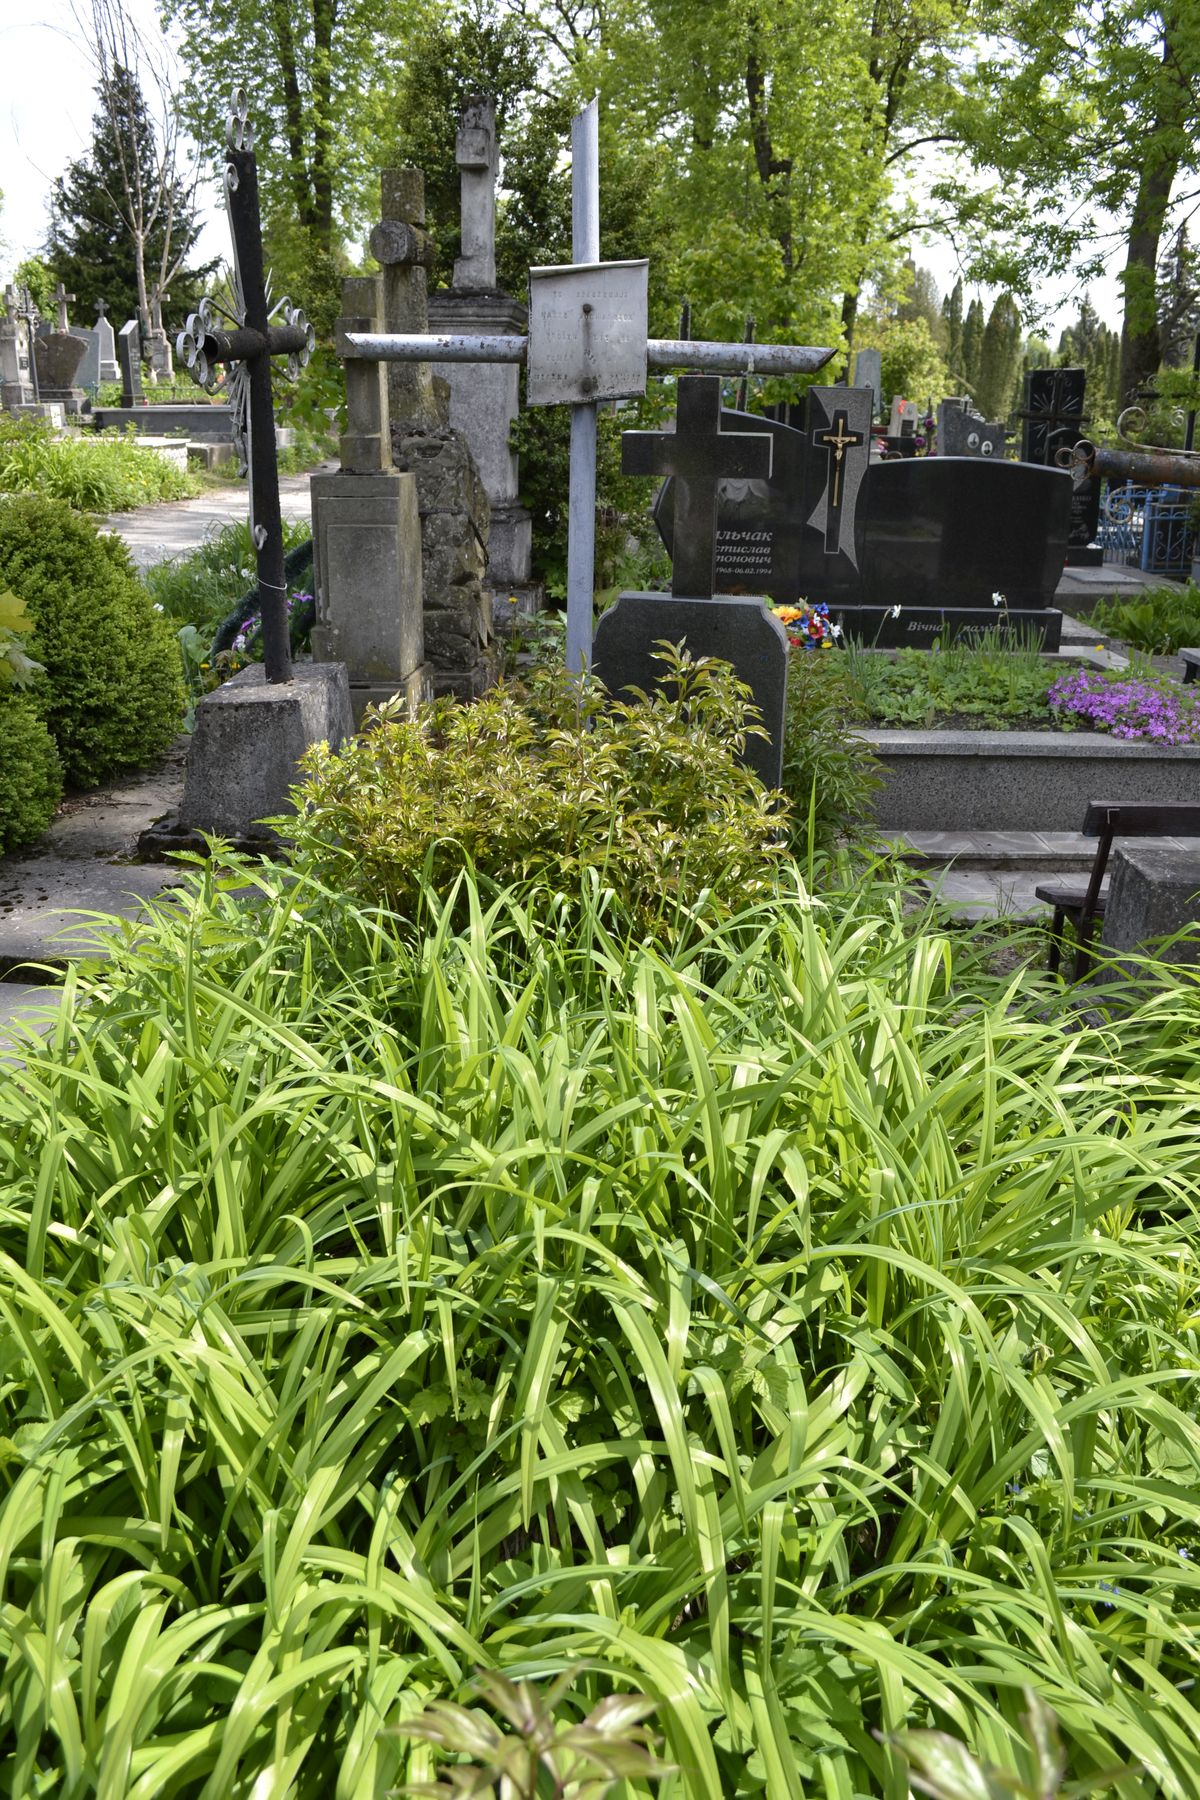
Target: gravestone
x,y
460,648
1053,421
485,397
1154,892
129,355
367,538
58,354
903,421
88,374
109,367
962,432
17,388
697,455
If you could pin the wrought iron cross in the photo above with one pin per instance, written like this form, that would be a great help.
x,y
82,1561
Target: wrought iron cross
x,y
236,355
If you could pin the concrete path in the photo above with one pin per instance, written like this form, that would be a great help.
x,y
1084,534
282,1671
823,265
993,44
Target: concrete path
x,y
156,533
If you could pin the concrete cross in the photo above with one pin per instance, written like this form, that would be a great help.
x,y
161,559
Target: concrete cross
x,y
699,455
475,154
405,252
60,297
239,355
100,308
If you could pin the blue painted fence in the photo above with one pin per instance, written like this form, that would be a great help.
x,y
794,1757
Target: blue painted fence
x,y
1148,528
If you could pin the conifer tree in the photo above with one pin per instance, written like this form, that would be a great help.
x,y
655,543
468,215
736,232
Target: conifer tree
x,y
972,346
952,312
123,218
999,359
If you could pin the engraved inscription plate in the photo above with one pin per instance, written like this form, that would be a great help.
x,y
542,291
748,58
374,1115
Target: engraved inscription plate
x,y
588,324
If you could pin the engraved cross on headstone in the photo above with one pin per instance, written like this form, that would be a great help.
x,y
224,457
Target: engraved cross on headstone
x,y
699,455
239,354
837,441
60,298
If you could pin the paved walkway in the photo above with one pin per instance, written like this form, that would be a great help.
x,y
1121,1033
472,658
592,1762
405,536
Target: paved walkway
x,y
154,534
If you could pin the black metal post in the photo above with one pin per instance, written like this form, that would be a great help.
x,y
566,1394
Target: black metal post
x,y
267,522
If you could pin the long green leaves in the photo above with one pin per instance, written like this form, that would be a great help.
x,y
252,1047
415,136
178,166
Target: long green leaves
x,y
793,1326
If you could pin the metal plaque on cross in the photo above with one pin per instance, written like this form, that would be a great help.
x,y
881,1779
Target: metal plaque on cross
x,y
698,455
588,326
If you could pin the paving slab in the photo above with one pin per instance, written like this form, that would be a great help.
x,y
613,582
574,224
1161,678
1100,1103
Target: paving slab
x,y
1082,588
84,864
155,534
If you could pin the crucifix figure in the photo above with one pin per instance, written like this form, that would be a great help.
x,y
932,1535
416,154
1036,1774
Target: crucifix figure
x,y
699,455
237,355
60,298
837,441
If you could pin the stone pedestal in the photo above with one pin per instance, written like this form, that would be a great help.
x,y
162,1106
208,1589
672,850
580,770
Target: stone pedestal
x,y
1154,891
367,568
740,631
247,745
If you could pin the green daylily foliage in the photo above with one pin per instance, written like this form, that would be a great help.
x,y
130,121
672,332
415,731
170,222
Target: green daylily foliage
x,y
790,1323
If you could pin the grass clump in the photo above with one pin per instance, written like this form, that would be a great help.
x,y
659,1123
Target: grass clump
x,y
544,785
830,775
1159,622
101,473
779,1323
110,692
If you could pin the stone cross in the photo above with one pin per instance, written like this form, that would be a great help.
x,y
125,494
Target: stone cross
x,y
242,357
405,252
475,153
100,307
60,297
699,455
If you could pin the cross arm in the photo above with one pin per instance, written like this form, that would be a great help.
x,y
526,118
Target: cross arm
x,y
661,353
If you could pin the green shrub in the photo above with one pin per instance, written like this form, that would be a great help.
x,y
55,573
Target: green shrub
x,y
1160,621
797,1333
31,777
829,773
101,474
111,693
203,588
545,786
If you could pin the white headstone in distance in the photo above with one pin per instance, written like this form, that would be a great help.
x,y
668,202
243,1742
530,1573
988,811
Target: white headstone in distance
x,y
903,422
110,368
588,325
868,373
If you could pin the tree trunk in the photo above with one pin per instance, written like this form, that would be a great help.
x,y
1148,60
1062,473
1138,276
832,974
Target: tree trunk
x,y
1164,137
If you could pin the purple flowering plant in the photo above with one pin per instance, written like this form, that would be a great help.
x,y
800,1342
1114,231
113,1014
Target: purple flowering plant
x,y
1127,706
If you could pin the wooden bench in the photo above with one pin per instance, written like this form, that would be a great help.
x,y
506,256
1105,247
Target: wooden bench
x,y
1106,820
1190,658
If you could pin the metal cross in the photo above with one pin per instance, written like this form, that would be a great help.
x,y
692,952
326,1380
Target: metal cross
x,y
837,442
1060,416
237,356
699,455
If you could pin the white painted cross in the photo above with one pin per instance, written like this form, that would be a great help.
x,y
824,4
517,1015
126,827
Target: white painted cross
x,y
587,341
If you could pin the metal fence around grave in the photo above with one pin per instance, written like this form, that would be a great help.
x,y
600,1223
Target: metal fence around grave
x,y
1148,528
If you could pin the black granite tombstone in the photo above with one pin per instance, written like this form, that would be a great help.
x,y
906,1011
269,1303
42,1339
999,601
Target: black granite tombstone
x,y
129,355
697,456
963,433
1053,421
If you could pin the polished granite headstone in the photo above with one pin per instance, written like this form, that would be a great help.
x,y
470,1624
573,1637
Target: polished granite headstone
x,y
1053,421
697,457
742,632
964,433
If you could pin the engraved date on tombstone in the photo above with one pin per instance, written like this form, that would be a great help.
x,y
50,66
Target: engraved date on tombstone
x,y
588,324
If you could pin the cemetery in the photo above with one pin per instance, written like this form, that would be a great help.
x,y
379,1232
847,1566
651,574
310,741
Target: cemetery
x,y
598,993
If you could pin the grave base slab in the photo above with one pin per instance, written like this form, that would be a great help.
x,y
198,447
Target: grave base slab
x,y
249,738
743,632
921,627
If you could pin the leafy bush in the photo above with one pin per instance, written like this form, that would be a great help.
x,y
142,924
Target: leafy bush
x,y
101,474
783,1327
542,787
993,682
1160,621
111,693
829,773
31,780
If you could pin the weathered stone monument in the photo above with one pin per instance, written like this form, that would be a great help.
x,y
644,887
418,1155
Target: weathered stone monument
x,y
58,355
485,397
367,537
109,367
129,353
17,382
697,455
460,646
868,373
